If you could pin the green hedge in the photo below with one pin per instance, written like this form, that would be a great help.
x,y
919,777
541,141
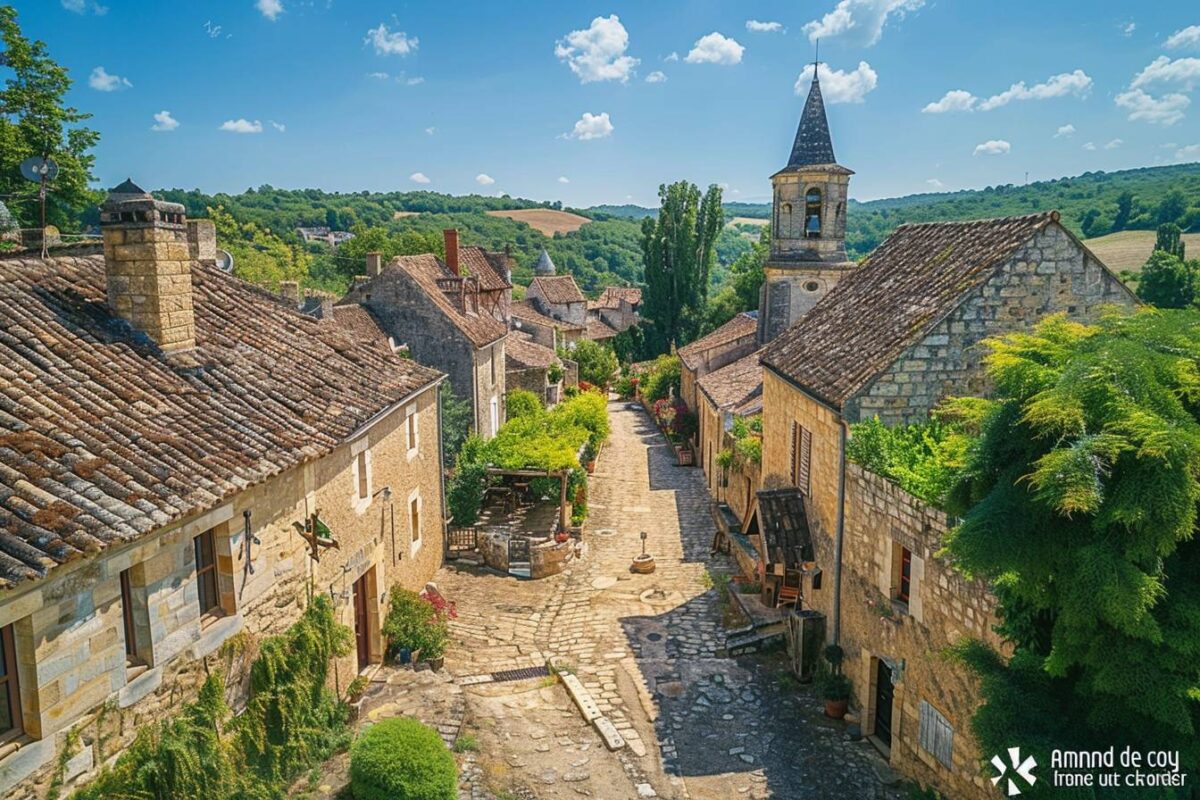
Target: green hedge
x,y
401,759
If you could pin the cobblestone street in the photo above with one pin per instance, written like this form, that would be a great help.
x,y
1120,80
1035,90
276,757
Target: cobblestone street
x,y
650,649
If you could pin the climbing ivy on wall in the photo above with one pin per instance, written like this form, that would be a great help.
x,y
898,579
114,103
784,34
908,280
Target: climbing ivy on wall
x,y
292,721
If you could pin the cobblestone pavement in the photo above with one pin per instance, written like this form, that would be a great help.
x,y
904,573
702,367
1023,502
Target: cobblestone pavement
x,y
650,650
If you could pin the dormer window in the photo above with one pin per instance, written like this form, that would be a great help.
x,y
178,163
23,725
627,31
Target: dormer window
x,y
812,214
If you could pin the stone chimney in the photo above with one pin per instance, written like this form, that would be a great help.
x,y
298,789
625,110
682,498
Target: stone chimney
x,y
289,292
451,236
374,264
202,241
148,265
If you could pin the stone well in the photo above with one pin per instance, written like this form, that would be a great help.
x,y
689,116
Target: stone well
x,y
546,556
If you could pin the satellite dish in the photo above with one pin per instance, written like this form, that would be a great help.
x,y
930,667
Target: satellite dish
x,y
224,261
38,169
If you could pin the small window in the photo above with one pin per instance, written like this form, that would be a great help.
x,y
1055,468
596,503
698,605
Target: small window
x,y
411,428
936,735
492,362
904,581
10,693
812,286
812,214
364,488
801,457
414,518
206,574
128,621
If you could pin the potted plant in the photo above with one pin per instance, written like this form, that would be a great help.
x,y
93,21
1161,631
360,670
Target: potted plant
x,y
835,690
416,624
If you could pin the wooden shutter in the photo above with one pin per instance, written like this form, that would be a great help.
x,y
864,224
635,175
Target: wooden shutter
x,y
793,453
805,467
936,735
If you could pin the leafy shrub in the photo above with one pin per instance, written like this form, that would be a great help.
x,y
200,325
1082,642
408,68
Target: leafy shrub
x,y
522,403
464,493
415,623
1167,281
626,387
401,759
663,378
925,459
597,362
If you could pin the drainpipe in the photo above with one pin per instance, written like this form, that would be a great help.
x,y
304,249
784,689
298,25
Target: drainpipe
x,y
441,456
841,532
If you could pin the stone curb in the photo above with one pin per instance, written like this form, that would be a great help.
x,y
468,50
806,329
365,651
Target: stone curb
x,y
591,712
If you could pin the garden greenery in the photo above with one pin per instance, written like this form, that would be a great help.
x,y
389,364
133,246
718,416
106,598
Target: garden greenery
x,y
662,379
924,458
292,722
414,623
522,403
401,759
1079,502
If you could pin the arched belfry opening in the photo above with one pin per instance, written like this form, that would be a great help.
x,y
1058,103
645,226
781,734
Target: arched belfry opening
x,y
812,213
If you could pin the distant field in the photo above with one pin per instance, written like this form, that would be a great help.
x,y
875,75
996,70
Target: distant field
x,y
403,214
546,220
1130,249
749,221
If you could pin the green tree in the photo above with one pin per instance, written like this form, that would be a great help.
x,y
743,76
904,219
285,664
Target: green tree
x,y
1170,239
35,121
259,256
1124,210
1171,208
678,253
522,403
630,344
597,362
1167,281
456,423
1079,503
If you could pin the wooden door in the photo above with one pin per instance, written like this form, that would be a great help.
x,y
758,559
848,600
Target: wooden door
x,y
362,639
884,695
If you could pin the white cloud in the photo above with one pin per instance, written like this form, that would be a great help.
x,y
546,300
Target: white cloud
x,y
242,126
1114,144
993,147
101,81
955,100
1089,145
483,179
754,26
1186,37
163,121
591,126
656,77
1064,131
414,81
271,9
1078,83
279,126
84,6
390,43
935,183
1165,110
379,76
213,31
431,130
1191,152
838,86
597,53
715,49
861,20
1185,72
672,57
418,177
1128,29
563,179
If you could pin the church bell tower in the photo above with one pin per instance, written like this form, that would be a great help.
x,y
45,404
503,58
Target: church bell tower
x,y
808,224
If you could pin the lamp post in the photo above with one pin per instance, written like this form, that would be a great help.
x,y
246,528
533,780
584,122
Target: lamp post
x,y
643,563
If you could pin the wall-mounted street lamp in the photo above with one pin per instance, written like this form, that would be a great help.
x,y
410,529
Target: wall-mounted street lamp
x,y
250,539
386,491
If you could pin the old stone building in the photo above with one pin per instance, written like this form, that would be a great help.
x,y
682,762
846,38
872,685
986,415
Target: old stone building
x,y
447,319
617,307
546,331
722,396
726,344
899,334
558,297
167,434
533,367
808,224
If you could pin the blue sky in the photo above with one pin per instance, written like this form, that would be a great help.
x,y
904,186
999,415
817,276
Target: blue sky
x,y
361,94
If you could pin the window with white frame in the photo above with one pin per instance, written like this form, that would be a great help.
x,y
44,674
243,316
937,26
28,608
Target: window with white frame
x,y
414,520
412,430
936,735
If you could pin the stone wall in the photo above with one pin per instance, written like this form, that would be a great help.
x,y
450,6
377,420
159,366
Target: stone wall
x,y
711,360
911,638
149,281
1051,273
69,633
530,380
489,389
550,558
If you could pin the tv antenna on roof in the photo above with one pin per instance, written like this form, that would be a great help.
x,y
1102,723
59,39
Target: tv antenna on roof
x,y
40,171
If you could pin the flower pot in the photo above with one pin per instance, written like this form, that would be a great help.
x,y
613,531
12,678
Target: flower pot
x,y
591,467
643,564
404,656
561,536
836,709
436,664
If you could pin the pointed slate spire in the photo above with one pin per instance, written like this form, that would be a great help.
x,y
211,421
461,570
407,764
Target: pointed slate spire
x,y
813,144
545,266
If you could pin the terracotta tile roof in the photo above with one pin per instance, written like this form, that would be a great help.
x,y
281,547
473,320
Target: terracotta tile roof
x,y
612,296
525,310
599,330
910,282
491,268
734,385
521,352
744,324
558,289
360,323
426,269
103,439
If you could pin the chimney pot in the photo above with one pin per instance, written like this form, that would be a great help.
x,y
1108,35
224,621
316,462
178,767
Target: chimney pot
x,y
451,237
202,240
374,264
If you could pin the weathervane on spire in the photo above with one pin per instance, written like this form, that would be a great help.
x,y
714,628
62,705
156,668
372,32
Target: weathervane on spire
x,y
816,59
